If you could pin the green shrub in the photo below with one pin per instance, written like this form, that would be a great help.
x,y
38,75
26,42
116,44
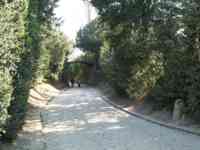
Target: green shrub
x,y
27,34
145,76
11,47
5,97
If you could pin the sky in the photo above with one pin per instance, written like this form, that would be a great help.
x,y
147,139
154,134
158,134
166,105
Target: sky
x,y
73,13
74,16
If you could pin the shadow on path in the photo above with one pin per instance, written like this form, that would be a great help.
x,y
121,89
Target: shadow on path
x,y
80,120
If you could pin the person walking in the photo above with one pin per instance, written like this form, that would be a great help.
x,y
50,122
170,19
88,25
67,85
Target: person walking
x,y
79,83
72,82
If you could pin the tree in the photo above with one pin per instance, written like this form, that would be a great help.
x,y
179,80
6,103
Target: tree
x,y
191,38
89,40
142,35
59,50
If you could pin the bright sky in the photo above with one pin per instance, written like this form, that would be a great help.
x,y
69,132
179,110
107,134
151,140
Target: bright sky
x,y
73,13
74,16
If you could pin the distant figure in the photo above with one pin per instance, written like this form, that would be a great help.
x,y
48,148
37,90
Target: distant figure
x,y
79,83
67,83
72,82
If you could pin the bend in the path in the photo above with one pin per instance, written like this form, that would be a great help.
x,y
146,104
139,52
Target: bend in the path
x,y
79,119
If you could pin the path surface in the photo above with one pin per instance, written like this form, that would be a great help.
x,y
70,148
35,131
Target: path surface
x,y
79,119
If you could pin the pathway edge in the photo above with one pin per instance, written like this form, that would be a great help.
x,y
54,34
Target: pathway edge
x,y
149,119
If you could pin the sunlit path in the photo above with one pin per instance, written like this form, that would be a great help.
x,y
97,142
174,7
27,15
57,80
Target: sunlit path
x,y
79,119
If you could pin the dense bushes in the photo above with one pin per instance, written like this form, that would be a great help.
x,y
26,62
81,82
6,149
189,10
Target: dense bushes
x,y
59,50
5,97
145,76
28,41
12,46
89,41
151,50
80,69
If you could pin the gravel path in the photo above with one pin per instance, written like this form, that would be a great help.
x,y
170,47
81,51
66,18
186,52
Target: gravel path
x,y
79,119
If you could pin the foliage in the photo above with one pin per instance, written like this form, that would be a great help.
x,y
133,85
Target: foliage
x,y
151,49
88,38
144,78
11,47
5,97
28,42
84,71
59,50
79,69
191,23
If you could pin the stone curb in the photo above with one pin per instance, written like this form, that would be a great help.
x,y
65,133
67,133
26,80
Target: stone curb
x,y
149,119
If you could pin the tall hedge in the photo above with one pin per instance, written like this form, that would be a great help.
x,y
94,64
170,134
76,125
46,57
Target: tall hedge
x,y
24,25
12,33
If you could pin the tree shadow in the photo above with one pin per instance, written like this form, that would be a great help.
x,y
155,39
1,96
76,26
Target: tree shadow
x,y
89,123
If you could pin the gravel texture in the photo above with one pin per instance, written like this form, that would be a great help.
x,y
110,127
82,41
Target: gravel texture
x,y
78,119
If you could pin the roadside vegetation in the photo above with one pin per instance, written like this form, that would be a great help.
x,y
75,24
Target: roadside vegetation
x,y
148,50
31,49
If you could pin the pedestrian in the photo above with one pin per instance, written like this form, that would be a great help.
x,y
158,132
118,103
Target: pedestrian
x,y
72,82
79,83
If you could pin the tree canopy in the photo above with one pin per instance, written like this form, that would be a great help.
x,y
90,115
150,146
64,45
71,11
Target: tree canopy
x,y
149,49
